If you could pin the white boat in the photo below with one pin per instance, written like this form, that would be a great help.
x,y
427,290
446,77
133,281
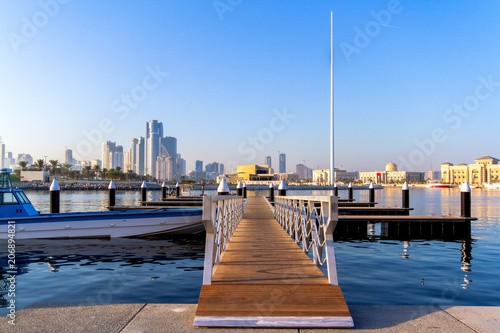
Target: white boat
x,y
438,185
493,186
20,220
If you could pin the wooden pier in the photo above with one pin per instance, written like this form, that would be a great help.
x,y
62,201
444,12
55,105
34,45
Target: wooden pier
x,y
264,279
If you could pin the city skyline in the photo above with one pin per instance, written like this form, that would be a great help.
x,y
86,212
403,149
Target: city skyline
x,y
415,83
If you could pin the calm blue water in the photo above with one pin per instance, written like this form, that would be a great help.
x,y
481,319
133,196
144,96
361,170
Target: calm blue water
x,y
372,270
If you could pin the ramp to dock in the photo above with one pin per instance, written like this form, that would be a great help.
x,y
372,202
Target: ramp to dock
x,y
265,280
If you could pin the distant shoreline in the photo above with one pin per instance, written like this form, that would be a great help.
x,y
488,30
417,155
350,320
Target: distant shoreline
x,y
136,186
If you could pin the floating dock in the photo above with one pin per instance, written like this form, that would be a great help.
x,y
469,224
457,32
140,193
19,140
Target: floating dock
x,y
264,279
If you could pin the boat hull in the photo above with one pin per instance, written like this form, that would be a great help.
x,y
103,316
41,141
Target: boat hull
x,y
104,224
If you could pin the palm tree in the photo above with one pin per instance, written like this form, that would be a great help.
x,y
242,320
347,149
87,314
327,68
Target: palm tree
x,y
23,165
87,169
40,164
54,164
130,174
65,168
104,174
97,168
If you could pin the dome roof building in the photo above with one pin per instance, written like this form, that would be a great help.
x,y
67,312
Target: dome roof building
x,y
391,167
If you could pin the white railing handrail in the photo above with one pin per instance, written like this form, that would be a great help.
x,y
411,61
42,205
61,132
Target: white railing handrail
x,y
221,216
311,227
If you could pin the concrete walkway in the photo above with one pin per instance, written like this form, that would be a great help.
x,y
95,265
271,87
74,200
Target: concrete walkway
x,y
177,318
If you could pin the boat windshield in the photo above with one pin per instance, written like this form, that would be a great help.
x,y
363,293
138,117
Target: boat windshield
x,y
22,197
8,198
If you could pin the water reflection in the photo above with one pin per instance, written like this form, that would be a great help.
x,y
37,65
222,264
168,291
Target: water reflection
x,y
83,266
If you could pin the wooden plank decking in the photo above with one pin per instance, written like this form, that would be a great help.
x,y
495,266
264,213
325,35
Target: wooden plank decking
x,y
264,279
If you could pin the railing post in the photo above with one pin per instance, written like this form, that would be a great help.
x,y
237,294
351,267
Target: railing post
x,y
163,190
209,240
371,196
332,210
112,194
143,191
465,197
55,198
406,195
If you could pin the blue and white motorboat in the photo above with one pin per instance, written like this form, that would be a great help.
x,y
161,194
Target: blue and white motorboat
x,y
19,219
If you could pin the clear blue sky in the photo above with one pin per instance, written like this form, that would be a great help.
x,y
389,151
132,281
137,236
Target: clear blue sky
x,y
233,64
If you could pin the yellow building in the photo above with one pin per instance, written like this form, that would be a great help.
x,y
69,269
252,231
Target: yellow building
x,y
486,170
253,173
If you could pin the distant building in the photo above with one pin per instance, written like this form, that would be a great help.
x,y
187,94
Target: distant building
x,y
303,171
282,163
322,176
392,175
96,162
486,170
168,147
25,157
34,176
2,156
181,165
154,131
198,166
9,161
140,156
267,161
68,156
291,177
434,175
253,173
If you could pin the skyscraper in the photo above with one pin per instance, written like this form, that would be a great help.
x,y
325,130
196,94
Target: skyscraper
x,y
154,131
139,158
268,161
169,148
107,148
181,165
133,155
2,156
198,166
282,161
68,156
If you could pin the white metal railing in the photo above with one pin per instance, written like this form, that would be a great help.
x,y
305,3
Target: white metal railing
x,y
221,216
310,221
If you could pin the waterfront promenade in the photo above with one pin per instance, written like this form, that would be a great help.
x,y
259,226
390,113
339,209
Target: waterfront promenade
x,y
178,318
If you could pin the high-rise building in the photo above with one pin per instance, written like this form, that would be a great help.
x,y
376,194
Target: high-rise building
x,y
303,171
198,166
221,169
116,158
154,131
108,147
268,161
9,161
139,159
133,155
168,147
2,156
68,156
282,161
181,165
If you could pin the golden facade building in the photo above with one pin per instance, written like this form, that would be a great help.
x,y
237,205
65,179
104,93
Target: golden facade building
x,y
253,173
486,170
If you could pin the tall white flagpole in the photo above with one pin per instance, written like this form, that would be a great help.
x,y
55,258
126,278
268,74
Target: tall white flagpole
x,y
332,141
